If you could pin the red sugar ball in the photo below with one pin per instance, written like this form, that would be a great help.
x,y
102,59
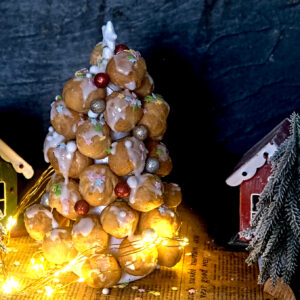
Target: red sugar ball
x,y
101,80
120,48
122,190
81,207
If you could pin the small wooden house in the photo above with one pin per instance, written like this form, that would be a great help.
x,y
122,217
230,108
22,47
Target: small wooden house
x,y
252,173
10,164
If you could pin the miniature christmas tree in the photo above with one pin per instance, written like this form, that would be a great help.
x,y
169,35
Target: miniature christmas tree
x,y
107,202
276,227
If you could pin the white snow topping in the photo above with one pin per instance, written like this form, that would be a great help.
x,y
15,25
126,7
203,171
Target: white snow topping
x,y
248,170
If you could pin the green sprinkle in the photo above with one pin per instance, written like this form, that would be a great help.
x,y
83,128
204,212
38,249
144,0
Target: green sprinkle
x,y
157,179
131,58
98,127
159,152
108,150
56,188
149,99
58,97
134,107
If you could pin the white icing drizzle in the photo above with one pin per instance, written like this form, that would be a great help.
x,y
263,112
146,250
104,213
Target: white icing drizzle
x,y
122,214
96,210
164,210
128,144
74,128
137,154
87,87
89,134
164,155
125,61
135,182
113,245
64,157
64,199
91,114
112,88
121,218
54,234
113,148
116,135
52,140
59,107
132,181
131,85
115,110
95,70
83,227
102,161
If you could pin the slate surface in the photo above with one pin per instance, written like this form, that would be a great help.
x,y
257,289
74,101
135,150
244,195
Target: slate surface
x,y
229,69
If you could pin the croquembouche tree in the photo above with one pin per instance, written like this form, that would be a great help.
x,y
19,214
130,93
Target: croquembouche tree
x,y
107,201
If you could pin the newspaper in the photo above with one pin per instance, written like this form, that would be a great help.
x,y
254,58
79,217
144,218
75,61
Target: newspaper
x,y
206,271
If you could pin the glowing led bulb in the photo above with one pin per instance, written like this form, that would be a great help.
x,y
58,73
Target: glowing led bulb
x,y
49,291
9,285
10,223
149,235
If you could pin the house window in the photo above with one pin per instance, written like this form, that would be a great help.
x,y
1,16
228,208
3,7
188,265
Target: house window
x,y
2,197
254,201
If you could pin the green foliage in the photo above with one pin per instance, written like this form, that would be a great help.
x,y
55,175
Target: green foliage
x,y
276,226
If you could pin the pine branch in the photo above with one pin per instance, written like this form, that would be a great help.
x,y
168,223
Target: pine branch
x,y
276,226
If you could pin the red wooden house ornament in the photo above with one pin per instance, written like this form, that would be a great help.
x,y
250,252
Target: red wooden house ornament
x,y
253,171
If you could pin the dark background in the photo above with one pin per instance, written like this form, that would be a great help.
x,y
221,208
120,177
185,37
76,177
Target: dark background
x,y
229,69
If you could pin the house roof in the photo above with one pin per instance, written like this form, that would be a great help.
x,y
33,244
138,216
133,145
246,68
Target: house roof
x,y
258,154
19,164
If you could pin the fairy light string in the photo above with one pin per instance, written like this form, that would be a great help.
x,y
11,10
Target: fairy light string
x,y
50,277
49,281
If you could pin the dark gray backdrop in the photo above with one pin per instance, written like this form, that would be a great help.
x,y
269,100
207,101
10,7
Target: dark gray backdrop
x,y
229,69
